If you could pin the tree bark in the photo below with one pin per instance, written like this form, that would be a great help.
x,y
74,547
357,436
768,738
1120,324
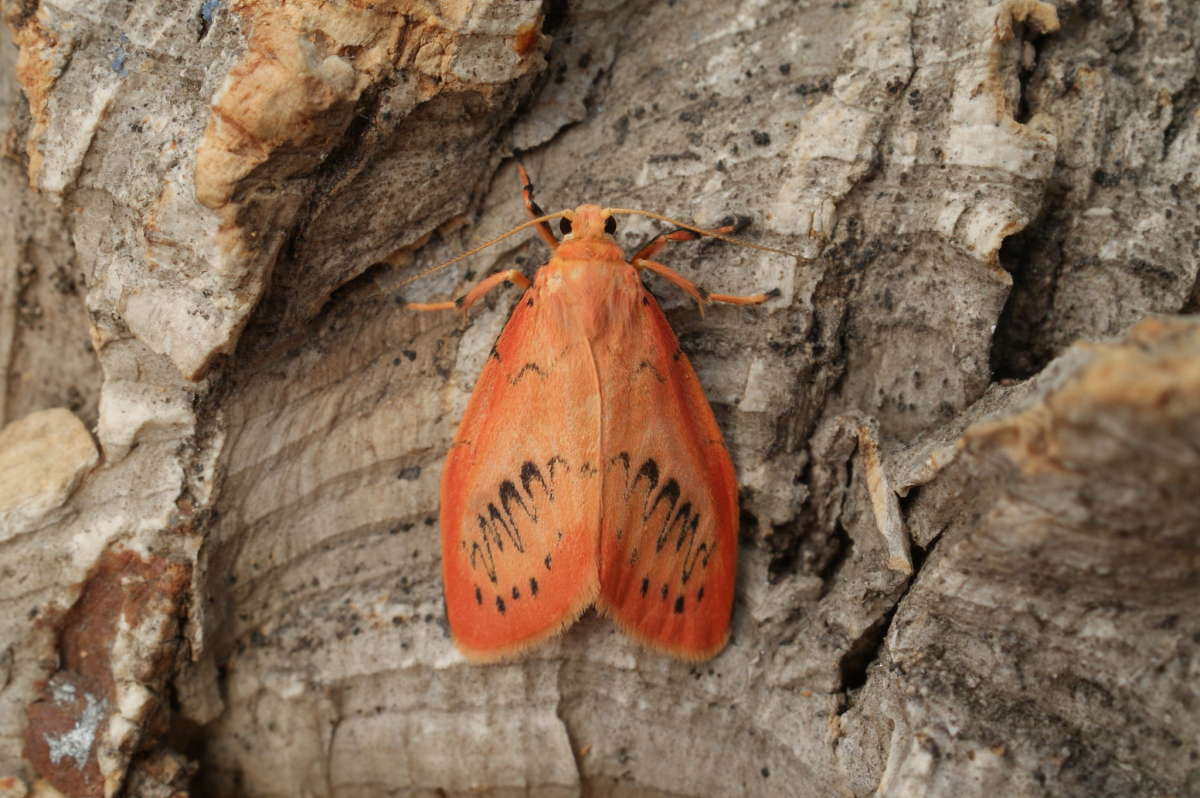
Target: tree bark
x,y
967,431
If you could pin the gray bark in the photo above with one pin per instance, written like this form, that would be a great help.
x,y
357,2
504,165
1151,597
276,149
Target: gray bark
x,y
967,432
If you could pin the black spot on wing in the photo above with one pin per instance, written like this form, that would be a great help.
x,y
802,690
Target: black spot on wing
x,y
528,368
510,497
645,587
670,495
530,474
533,587
689,518
646,365
669,516
501,526
649,473
556,464
678,604
500,604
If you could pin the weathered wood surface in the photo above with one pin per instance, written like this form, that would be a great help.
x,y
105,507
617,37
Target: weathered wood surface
x,y
967,432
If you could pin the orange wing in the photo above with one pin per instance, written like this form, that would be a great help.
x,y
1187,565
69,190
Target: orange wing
x,y
668,533
521,487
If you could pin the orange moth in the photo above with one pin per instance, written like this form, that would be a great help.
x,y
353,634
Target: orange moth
x,y
588,469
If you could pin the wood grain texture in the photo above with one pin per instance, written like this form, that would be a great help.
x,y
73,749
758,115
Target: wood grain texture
x,y
999,200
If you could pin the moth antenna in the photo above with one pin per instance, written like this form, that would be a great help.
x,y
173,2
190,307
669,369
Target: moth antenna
x,y
701,230
481,247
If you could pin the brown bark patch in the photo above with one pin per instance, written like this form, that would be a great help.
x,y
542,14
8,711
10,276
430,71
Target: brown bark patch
x,y
69,719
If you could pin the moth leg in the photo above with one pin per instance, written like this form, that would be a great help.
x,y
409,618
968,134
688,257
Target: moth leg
x,y
698,293
533,209
656,245
753,299
464,302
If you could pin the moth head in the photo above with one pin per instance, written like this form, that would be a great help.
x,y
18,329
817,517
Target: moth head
x,y
587,223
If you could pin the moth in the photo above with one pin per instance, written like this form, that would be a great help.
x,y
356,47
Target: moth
x,y
588,469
